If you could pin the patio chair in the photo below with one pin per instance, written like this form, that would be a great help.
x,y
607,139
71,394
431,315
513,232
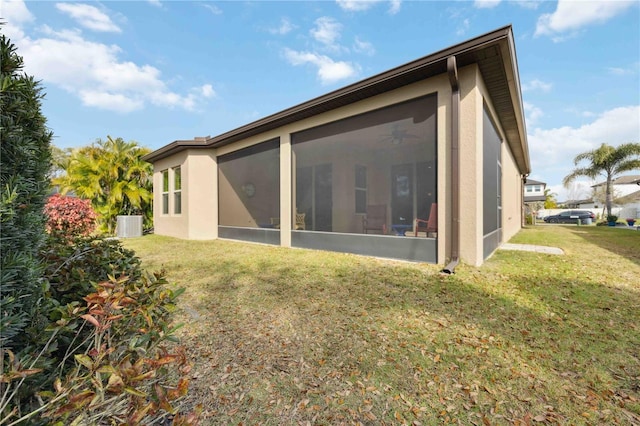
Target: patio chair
x,y
430,225
375,219
300,225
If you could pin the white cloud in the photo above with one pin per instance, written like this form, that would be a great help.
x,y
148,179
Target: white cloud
x,y
155,3
620,71
327,31
363,47
207,91
571,16
536,84
329,71
395,6
285,27
362,5
94,73
533,113
356,5
486,4
15,14
89,17
212,8
552,150
16,11
463,27
110,101
528,4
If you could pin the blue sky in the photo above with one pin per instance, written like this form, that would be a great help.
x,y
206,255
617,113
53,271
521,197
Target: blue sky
x,y
156,71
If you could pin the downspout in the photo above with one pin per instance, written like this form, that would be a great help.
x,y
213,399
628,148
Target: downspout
x,y
452,71
524,205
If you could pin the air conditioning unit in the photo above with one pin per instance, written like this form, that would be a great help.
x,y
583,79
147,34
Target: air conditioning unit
x,y
129,226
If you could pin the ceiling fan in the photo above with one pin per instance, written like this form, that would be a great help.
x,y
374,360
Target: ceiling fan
x,y
398,135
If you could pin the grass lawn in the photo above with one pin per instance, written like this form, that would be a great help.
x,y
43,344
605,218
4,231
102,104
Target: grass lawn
x,y
281,336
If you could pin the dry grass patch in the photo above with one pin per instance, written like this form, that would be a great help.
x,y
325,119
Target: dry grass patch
x,y
281,336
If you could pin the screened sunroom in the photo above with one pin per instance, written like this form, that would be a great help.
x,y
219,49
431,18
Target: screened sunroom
x,y
358,185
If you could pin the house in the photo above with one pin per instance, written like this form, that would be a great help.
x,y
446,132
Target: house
x,y
534,191
423,162
588,203
626,193
622,186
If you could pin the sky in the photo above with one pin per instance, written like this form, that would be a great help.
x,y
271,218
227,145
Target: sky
x,y
157,71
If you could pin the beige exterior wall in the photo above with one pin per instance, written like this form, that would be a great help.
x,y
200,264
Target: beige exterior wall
x,y
511,194
198,219
171,224
200,194
471,213
200,178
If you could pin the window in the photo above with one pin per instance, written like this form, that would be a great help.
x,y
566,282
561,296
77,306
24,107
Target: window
x,y
361,189
529,188
537,188
165,192
177,190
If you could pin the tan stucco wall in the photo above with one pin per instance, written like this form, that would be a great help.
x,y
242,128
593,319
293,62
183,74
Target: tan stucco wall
x,y
200,195
511,194
471,212
170,224
199,217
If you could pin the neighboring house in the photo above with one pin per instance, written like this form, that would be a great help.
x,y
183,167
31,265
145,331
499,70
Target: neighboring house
x,y
579,204
630,206
622,186
440,139
534,191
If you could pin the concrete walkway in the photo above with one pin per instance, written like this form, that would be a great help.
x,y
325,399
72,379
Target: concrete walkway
x,y
530,247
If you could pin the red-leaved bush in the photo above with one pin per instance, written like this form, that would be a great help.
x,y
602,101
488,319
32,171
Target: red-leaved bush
x,y
69,217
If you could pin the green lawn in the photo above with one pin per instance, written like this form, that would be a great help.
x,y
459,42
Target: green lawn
x,y
285,336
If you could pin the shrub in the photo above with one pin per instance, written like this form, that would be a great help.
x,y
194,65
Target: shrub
x,y
69,217
125,375
72,269
119,324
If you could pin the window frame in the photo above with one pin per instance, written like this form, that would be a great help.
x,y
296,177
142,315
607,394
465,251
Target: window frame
x,y
164,175
177,190
360,188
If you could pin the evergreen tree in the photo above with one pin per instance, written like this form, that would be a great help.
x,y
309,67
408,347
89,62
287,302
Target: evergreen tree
x,y
24,164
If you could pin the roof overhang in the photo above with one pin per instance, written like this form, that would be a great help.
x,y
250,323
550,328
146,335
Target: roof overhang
x,y
494,53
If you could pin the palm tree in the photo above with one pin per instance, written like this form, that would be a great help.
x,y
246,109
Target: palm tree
x,y
113,176
607,161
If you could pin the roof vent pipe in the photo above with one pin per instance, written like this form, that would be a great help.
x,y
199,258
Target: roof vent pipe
x,y
452,71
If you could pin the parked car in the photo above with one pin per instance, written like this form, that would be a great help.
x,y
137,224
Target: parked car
x,y
570,216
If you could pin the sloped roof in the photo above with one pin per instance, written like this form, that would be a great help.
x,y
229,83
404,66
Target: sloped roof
x,y
535,182
634,197
622,180
493,52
